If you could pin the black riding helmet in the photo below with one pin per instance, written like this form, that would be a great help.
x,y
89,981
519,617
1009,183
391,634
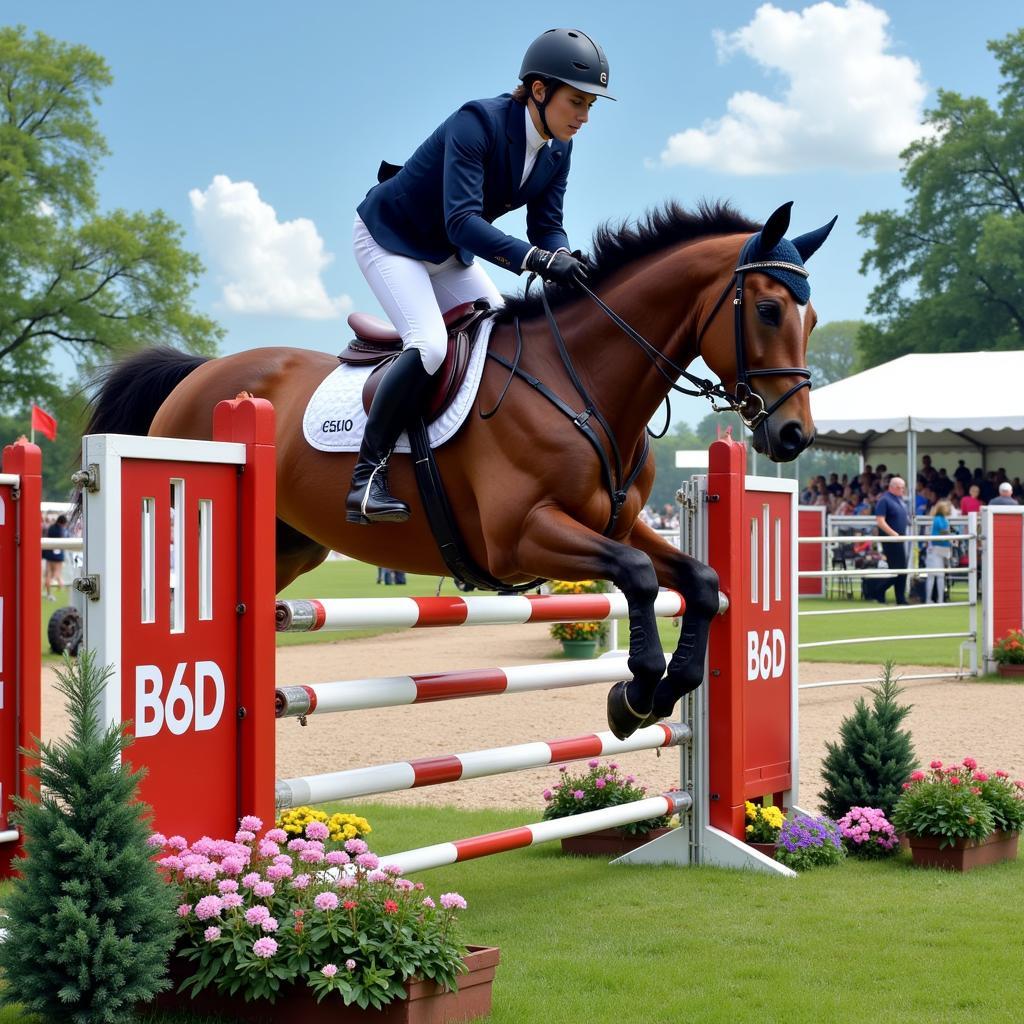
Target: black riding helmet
x,y
568,56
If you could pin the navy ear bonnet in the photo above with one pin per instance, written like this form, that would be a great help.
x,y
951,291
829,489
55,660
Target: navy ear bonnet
x,y
769,246
784,252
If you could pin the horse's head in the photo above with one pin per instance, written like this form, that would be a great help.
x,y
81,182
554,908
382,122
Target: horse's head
x,y
765,365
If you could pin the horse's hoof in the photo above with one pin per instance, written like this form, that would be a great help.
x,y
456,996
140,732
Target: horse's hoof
x,y
356,517
623,721
652,719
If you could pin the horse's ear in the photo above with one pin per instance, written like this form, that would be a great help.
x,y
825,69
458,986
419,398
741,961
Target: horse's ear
x,y
775,229
807,245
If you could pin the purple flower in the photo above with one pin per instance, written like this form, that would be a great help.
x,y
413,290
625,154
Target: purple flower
x,y
592,764
599,783
228,885
277,835
337,857
263,889
355,846
269,925
252,823
366,859
157,839
264,948
452,899
546,794
578,795
212,933
329,970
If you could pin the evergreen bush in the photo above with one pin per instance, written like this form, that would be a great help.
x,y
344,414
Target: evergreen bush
x,y
874,756
90,923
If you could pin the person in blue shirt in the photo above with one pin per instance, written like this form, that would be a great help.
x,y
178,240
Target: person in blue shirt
x,y
417,232
892,517
938,551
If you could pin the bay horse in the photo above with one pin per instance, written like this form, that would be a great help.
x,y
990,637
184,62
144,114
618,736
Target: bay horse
x,y
525,485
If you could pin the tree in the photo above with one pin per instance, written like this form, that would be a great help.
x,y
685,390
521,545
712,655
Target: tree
x,y
91,923
951,265
62,457
874,756
95,284
668,478
832,352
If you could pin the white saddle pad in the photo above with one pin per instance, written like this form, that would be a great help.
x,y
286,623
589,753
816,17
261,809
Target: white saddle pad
x,y
334,419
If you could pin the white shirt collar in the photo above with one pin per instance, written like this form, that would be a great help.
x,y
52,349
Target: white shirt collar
x,y
534,139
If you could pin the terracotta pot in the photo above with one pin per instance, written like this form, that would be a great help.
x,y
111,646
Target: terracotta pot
x,y
425,1003
768,849
579,648
964,854
608,842
1010,670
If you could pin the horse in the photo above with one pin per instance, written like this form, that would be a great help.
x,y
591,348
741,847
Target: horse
x,y
525,485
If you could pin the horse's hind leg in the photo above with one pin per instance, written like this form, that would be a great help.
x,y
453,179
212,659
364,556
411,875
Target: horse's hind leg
x,y
296,554
698,583
555,546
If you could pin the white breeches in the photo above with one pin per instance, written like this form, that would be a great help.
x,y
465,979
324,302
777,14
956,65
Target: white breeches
x,y
415,294
934,560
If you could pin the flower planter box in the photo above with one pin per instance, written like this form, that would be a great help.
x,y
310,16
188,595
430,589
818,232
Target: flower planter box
x,y
424,1004
608,842
579,649
1010,670
768,849
965,854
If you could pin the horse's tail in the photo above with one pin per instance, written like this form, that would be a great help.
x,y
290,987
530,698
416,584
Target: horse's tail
x,y
127,394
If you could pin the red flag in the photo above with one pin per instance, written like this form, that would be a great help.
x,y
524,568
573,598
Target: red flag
x,y
44,423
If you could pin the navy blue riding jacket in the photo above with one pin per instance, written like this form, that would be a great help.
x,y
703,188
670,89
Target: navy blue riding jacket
x,y
464,176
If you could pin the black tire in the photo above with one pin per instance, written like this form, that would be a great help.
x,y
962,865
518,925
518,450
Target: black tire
x,y
64,631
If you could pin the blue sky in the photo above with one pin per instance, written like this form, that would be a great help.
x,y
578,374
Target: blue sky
x,y
259,127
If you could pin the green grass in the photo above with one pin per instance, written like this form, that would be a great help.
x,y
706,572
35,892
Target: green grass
x,y
585,942
936,619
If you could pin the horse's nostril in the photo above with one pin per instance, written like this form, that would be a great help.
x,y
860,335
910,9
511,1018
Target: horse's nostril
x,y
791,438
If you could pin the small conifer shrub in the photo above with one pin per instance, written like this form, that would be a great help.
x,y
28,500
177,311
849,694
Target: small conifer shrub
x,y
90,922
874,756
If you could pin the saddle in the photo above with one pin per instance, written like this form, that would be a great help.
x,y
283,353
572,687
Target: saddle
x,y
378,344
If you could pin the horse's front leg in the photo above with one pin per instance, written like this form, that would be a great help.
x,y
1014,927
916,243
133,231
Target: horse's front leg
x,y
698,583
555,546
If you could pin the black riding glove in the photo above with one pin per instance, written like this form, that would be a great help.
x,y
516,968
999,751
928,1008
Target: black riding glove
x,y
559,267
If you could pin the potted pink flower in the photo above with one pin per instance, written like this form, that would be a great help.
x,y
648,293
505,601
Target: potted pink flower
x,y
293,930
959,816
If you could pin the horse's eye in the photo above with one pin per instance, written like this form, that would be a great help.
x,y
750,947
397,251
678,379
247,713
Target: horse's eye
x,y
769,313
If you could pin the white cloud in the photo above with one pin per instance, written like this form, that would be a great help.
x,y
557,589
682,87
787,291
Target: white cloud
x,y
847,102
266,266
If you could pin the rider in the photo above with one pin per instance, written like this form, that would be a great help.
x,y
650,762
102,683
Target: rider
x,y
416,233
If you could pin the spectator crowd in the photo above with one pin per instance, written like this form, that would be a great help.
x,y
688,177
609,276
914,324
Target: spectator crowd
x,y
966,491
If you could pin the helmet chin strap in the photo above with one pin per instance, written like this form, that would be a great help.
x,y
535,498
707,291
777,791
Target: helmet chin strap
x,y
541,106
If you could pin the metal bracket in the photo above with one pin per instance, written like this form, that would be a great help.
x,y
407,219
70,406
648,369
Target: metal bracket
x,y
88,585
712,499
88,479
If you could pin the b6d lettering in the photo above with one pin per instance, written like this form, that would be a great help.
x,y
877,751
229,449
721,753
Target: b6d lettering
x,y
766,654
183,707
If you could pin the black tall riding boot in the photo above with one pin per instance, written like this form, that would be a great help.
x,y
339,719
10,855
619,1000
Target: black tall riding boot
x,y
398,400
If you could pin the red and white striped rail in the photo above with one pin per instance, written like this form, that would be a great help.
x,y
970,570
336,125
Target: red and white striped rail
x,y
300,700
426,857
475,764
409,612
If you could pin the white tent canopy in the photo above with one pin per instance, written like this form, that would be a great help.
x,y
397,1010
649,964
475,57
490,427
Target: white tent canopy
x,y
965,403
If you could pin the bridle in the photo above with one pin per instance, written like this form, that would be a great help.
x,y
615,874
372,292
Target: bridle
x,y
735,401
744,393
613,470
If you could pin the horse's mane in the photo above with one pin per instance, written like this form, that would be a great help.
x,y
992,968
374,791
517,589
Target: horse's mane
x,y
615,246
